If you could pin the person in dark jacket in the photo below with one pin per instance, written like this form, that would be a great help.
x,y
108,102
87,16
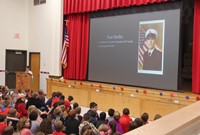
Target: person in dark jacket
x,y
102,119
72,123
93,107
34,100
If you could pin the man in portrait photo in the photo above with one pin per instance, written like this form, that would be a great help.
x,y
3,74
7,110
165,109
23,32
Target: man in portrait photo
x,y
152,58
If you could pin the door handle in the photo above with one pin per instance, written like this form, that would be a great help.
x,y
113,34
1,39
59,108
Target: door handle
x,y
9,72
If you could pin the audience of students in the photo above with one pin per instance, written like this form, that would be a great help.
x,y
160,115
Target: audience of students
x,y
59,117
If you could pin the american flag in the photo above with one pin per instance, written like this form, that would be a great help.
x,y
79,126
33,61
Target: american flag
x,y
64,48
142,48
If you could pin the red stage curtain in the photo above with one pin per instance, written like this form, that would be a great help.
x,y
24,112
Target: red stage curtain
x,y
81,6
78,47
196,49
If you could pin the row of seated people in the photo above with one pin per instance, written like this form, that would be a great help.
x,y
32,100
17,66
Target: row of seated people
x,y
59,116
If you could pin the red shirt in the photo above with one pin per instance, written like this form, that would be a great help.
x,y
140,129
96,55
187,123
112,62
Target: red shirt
x,y
67,103
20,107
2,126
5,111
54,100
58,133
124,122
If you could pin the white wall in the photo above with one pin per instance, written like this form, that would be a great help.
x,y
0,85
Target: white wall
x,y
40,29
46,22
13,20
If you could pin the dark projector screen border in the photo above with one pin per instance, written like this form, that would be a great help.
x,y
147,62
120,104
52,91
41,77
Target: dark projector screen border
x,y
137,49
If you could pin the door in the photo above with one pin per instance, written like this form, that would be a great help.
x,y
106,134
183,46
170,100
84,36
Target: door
x,y
35,68
15,61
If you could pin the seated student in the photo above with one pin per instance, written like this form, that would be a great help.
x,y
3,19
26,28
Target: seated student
x,y
72,124
10,99
93,119
86,119
23,127
40,113
5,108
12,118
87,130
41,96
28,93
93,107
78,112
102,119
5,91
64,113
70,99
132,126
46,127
104,130
75,104
111,115
125,120
139,122
58,127
56,98
66,103
52,118
20,106
56,105
113,128
57,113
135,124
3,123
157,116
145,118
9,130
34,100
34,123
116,120
40,133
49,101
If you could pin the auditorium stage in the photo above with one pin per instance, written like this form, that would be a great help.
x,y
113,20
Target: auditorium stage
x,y
137,99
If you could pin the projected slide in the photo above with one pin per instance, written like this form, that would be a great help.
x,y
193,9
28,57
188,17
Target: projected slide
x,y
137,49
151,47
